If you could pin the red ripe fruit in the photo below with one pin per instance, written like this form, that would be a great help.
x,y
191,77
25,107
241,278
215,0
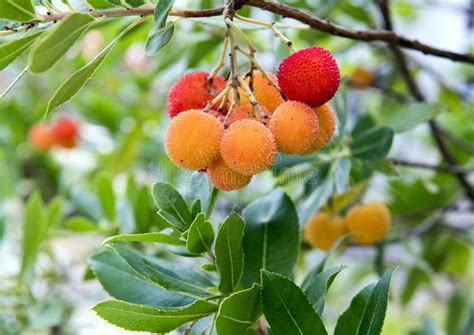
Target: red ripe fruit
x,y
40,137
193,91
65,132
310,75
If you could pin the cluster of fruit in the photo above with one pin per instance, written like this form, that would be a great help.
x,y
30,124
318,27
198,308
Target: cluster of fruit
x,y
64,132
367,224
232,148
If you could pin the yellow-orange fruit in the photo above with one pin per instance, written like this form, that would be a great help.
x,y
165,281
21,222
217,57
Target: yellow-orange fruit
x,y
192,139
40,137
323,229
295,127
247,111
368,223
361,77
327,126
226,179
248,147
265,93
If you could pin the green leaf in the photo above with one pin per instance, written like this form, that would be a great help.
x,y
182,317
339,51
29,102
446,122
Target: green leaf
x,y
184,281
106,194
146,237
200,189
320,267
196,208
403,119
35,228
374,314
77,81
161,14
457,312
349,321
132,3
124,283
57,41
11,50
142,209
342,170
232,318
229,252
55,213
88,204
372,144
340,108
271,239
80,224
159,39
318,197
17,10
171,202
286,308
315,287
151,319
200,235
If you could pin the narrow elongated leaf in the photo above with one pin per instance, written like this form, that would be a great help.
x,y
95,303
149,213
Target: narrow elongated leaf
x,y
320,267
132,3
54,44
146,237
374,314
229,252
171,202
408,118
54,212
151,319
317,198
124,283
80,224
181,280
11,50
349,321
17,10
142,210
160,39
373,144
35,229
200,235
106,194
316,286
77,81
286,308
232,318
270,223
161,14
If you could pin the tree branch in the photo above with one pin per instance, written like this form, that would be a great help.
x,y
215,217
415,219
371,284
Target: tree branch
x,y
416,93
441,168
360,35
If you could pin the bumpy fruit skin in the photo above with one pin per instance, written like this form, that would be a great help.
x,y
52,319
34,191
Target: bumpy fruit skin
x,y
226,179
192,91
265,93
247,112
192,139
248,147
65,132
295,127
368,223
323,229
310,75
327,126
40,137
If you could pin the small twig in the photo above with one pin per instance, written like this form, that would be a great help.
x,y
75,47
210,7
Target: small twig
x,y
458,141
216,100
13,83
441,168
221,62
187,331
252,99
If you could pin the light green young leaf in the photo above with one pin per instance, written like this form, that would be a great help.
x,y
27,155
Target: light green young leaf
x,y
17,10
75,82
200,235
181,280
404,119
146,237
171,202
11,50
229,252
151,319
238,312
286,308
80,224
57,41
106,195
349,321
124,283
315,287
374,314
54,212
271,222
